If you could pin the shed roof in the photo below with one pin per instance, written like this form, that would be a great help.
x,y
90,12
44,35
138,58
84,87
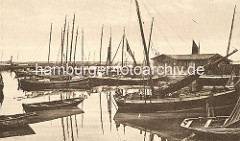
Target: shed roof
x,y
188,57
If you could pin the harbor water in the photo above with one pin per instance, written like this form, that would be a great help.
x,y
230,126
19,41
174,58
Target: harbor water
x,y
96,118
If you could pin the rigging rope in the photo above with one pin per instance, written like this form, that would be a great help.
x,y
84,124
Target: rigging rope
x,y
147,9
165,38
37,49
2,32
116,51
167,22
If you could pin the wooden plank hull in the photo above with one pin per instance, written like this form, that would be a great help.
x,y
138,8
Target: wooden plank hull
x,y
214,80
32,85
52,105
10,121
218,133
210,128
195,104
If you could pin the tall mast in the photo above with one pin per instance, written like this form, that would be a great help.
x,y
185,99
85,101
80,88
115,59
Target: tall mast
x,y
70,57
230,36
101,46
75,48
144,44
82,45
61,49
108,62
67,43
49,45
123,44
150,36
63,38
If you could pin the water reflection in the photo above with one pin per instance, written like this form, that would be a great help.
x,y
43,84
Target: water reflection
x,y
101,115
109,106
1,97
47,115
20,131
151,125
99,121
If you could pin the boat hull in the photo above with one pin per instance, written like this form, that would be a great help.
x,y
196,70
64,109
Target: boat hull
x,y
212,80
11,121
211,128
33,85
197,104
52,105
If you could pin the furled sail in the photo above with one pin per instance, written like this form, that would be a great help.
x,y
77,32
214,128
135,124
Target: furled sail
x,y
109,51
188,79
235,115
131,53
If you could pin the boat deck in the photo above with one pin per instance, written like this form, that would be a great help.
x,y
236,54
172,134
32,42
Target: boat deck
x,y
182,97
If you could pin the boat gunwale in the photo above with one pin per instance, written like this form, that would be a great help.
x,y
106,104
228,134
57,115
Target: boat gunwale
x,y
174,100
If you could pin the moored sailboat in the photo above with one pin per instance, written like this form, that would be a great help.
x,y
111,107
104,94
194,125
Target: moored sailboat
x,y
182,101
219,127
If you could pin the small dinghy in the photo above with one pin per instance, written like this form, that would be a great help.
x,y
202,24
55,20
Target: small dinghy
x,y
211,128
220,127
9,121
52,105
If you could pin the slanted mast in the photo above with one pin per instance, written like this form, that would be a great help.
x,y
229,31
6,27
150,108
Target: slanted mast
x,y
49,46
70,57
144,45
109,55
101,47
230,36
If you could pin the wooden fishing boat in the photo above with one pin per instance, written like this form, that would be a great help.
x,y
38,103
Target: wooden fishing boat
x,y
188,102
46,84
9,121
220,127
211,128
52,105
34,74
184,100
158,100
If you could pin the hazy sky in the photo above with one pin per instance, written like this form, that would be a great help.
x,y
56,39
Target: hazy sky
x,y
25,26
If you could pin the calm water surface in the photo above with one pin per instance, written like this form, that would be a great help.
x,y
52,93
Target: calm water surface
x,y
100,120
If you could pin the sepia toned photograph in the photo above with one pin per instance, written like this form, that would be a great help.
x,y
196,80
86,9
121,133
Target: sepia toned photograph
x,y
120,70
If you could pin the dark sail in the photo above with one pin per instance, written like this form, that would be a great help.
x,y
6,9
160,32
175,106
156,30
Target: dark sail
x,y
130,52
109,51
195,48
235,116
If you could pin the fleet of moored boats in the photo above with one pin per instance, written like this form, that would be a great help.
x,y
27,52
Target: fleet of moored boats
x,y
167,96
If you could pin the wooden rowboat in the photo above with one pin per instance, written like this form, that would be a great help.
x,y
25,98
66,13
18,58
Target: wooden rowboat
x,y
211,128
220,127
52,105
9,121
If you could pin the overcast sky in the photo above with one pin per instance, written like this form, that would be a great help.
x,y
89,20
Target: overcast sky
x,y
25,26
